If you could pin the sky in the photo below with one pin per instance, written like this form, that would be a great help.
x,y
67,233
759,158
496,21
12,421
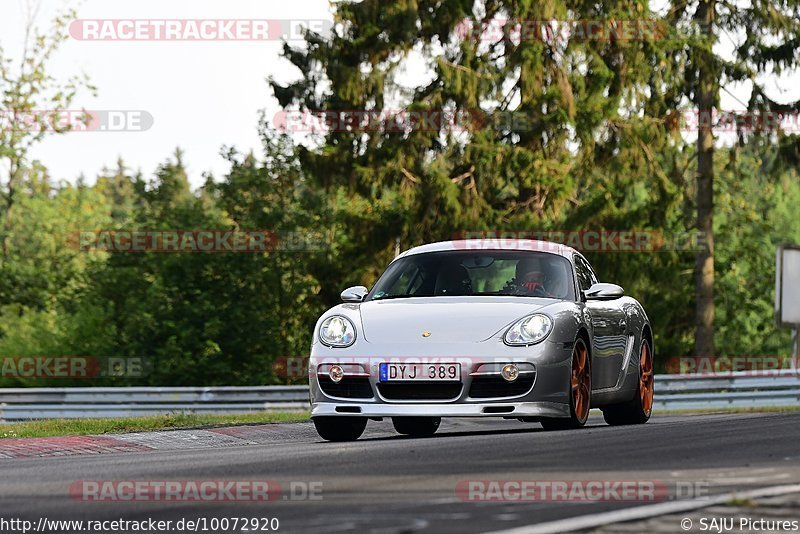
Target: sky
x,y
199,96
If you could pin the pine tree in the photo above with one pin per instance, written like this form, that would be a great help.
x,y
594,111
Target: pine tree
x,y
543,110
765,35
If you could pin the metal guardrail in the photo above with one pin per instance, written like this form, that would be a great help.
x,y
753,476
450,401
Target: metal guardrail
x,y
74,403
742,389
729,390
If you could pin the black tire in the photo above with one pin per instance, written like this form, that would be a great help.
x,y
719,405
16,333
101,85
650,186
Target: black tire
x,y
580,391
340,428
417,427
636,411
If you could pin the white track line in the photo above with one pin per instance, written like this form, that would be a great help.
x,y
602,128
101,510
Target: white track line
x,y
645,511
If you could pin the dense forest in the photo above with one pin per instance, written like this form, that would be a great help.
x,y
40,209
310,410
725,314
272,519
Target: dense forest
x,y
607,144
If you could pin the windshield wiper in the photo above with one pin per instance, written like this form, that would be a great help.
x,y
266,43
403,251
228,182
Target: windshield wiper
x,y
392,297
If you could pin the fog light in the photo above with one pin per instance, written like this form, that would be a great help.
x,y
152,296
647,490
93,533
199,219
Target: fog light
x,y
510,372
336,373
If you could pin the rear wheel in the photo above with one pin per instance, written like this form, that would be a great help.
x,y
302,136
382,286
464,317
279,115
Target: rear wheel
x,y
637,410
580,391
418,427
340,428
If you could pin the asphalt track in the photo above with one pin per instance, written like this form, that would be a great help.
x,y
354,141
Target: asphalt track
x,y
387,483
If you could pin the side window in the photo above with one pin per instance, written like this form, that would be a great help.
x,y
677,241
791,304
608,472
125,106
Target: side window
x,y
591,271
584,273
408,281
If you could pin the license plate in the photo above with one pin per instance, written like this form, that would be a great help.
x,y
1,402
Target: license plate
x,y
420,372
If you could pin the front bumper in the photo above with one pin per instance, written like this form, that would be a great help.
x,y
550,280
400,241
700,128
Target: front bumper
x,y
482,409
548,395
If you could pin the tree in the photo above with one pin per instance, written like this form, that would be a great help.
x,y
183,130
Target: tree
x,y
756,210
566,132
119,188
765,35
42,310
220,317
33,105
279,299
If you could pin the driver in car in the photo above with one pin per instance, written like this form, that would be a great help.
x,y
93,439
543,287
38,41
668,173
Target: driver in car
x,y
528,278
536,277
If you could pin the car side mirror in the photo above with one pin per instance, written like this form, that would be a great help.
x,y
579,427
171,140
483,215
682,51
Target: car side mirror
x,y
354,294
604,292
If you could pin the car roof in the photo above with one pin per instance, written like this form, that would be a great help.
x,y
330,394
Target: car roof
x,y
485,244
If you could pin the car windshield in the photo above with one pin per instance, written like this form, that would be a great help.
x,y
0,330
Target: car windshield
x,y
485,273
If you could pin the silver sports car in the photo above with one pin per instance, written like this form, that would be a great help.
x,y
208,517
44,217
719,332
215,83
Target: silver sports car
x,y
516,329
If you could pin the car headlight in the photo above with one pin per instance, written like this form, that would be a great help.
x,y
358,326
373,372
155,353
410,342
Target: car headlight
x,y
529,330
337,331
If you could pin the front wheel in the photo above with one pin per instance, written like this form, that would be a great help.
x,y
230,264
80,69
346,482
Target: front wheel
x,y
417,427
580,391
340,428
637,410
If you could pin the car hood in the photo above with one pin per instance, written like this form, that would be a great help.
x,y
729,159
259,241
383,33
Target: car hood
x,y
448,319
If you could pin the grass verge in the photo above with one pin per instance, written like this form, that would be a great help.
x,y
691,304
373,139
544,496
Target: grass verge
x,y
82,427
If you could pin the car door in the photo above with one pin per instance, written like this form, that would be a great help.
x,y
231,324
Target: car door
x,y
610,326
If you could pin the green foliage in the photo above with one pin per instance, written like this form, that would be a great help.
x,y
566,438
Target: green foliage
x,y
197,318
596,149
593,149
757,212
32,107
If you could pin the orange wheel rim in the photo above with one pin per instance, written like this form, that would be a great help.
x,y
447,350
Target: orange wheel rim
x,y
646,378
581,381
